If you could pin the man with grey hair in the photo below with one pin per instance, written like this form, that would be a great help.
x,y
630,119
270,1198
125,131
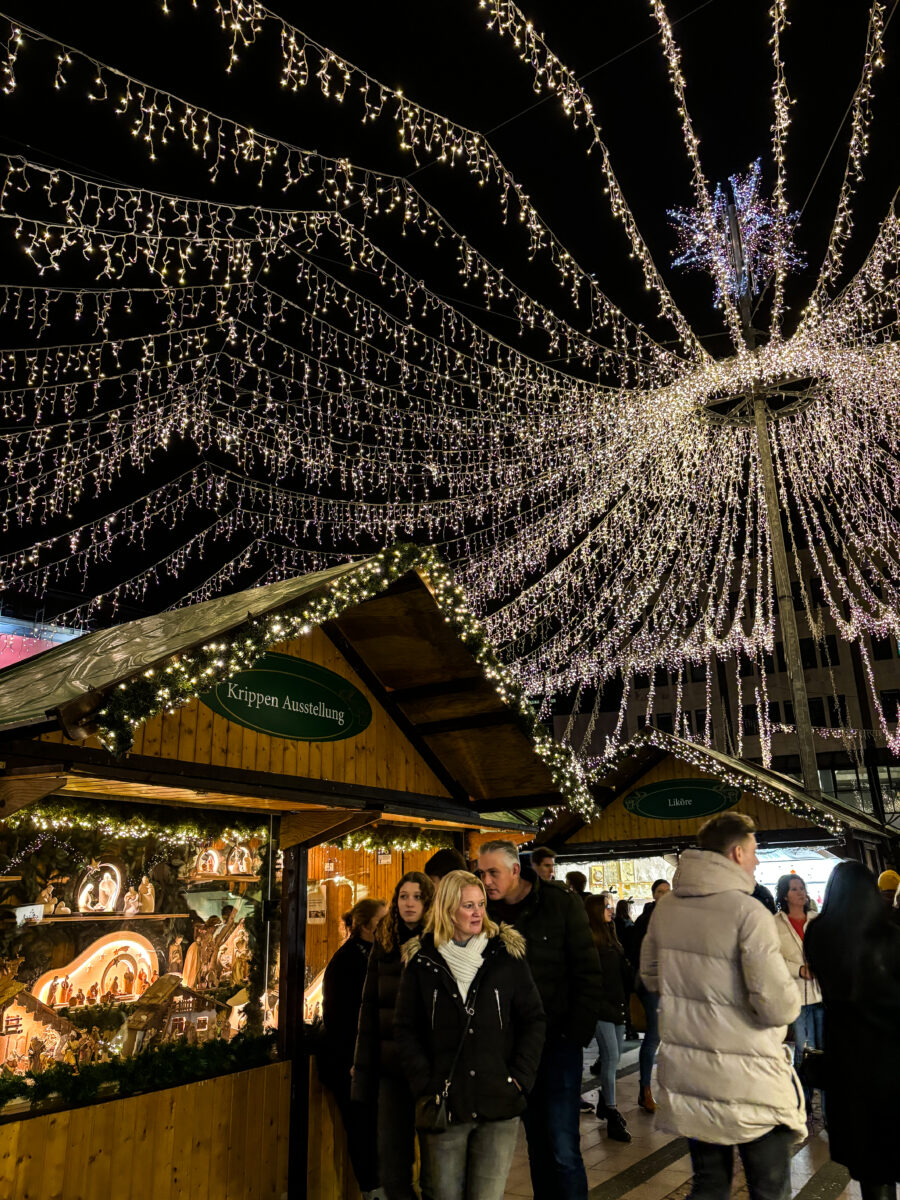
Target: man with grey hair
x,y
566,968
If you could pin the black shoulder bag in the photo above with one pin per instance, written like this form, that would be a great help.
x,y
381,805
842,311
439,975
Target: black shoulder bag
x,y
433,1110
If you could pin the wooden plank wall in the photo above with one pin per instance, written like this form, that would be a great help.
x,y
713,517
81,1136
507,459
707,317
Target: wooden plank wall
x,y
381,756
616,824
221,1139
329,1175
356,875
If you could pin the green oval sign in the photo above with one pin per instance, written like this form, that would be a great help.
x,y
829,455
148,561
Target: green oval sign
x,y
290,698
681,799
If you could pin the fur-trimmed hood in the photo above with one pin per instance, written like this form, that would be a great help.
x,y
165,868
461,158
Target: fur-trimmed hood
x,y
511,940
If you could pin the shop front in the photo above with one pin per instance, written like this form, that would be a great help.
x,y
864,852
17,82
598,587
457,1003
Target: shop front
x,y
188,804
657,791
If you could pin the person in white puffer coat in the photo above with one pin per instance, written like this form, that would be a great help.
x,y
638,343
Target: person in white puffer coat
x,y
725,1077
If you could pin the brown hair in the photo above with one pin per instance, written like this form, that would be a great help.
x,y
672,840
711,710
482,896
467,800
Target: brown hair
x,y
577,881
723,832
362,913
387,933
602,931
539,853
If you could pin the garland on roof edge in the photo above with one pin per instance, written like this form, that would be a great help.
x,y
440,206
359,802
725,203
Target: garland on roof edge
x,y
165,688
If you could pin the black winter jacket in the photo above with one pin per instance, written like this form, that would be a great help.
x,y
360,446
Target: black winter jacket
x,y
617,980
862,1049
505,1038
342,989
562,957
376,1051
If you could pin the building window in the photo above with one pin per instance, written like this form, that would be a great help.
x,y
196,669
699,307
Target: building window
x,y
663,721
698,672
797,596
774,713
642,720
829,652
700,720
882,648
662,677
890,702
837,711
13,1024
746,666
808,654
641,680
751,720
788,712
817,711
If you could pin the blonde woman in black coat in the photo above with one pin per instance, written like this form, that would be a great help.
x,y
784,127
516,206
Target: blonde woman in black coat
x,y
469,1013
378,1079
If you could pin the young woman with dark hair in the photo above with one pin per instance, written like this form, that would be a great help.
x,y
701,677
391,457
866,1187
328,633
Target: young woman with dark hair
x,y
378,1078
611,1026
342,988
469,1028
854,952
792,919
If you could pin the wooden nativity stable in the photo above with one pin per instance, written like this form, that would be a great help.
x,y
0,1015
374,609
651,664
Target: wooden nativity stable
x,y
323,734
657,791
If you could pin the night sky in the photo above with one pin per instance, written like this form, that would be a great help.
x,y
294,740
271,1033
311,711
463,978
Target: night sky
x,y
442,56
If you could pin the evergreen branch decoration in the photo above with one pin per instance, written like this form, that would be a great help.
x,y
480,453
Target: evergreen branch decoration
x,y
393,839
186,675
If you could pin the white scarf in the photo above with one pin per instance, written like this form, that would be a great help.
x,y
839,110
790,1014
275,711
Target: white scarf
x,y
464,961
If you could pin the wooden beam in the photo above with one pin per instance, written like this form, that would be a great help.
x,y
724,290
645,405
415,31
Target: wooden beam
x,y
313,828
461,724
400,719
432,691
292,1043
517,803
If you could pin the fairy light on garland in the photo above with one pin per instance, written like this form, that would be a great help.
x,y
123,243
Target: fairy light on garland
x,y
371,840
168,687
133,825
326,414
695,757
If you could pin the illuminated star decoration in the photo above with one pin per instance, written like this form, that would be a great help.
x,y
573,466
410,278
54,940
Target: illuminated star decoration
x,y
767,237
287,321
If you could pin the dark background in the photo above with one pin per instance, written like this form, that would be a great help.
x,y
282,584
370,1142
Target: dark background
x,y
440,53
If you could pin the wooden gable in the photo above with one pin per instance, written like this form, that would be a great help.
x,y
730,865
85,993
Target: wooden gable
x,y
617,824
381,756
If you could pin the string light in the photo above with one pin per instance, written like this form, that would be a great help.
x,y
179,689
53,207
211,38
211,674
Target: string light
x,y
600,505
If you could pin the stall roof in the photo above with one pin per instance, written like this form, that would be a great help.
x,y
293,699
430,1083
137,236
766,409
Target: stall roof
x,y
652,745
401,623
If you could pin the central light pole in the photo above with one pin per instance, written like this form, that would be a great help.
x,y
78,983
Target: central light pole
x,y
808,766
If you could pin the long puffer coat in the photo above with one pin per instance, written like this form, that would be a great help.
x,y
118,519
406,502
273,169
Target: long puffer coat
x,y
506,1035
376,1051
862,1051
561,955
726,999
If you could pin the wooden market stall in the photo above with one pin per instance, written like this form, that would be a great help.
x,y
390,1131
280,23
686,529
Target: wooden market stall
x,y
177,793
659,789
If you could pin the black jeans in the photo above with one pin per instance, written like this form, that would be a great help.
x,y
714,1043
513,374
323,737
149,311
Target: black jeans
x,y
766,1162
551,1123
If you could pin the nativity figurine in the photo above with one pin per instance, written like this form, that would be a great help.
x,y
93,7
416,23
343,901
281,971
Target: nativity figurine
x,y
132,903
147,894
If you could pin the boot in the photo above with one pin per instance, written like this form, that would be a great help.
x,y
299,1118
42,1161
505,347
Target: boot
x,y
602,1110
616,1127
646,1101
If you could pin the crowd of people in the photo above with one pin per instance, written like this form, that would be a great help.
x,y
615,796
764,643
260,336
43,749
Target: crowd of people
x,y
461,1009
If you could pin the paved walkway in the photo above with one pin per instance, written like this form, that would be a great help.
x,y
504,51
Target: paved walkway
x,y
656,1166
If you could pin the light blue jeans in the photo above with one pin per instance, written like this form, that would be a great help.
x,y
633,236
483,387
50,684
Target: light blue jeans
x,y
610,1040
650,1042
472,1161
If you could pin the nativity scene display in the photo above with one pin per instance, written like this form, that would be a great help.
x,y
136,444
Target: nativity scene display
x,y
130,942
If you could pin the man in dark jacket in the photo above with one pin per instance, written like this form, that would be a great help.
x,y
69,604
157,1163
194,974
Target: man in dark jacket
x,y
566,969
